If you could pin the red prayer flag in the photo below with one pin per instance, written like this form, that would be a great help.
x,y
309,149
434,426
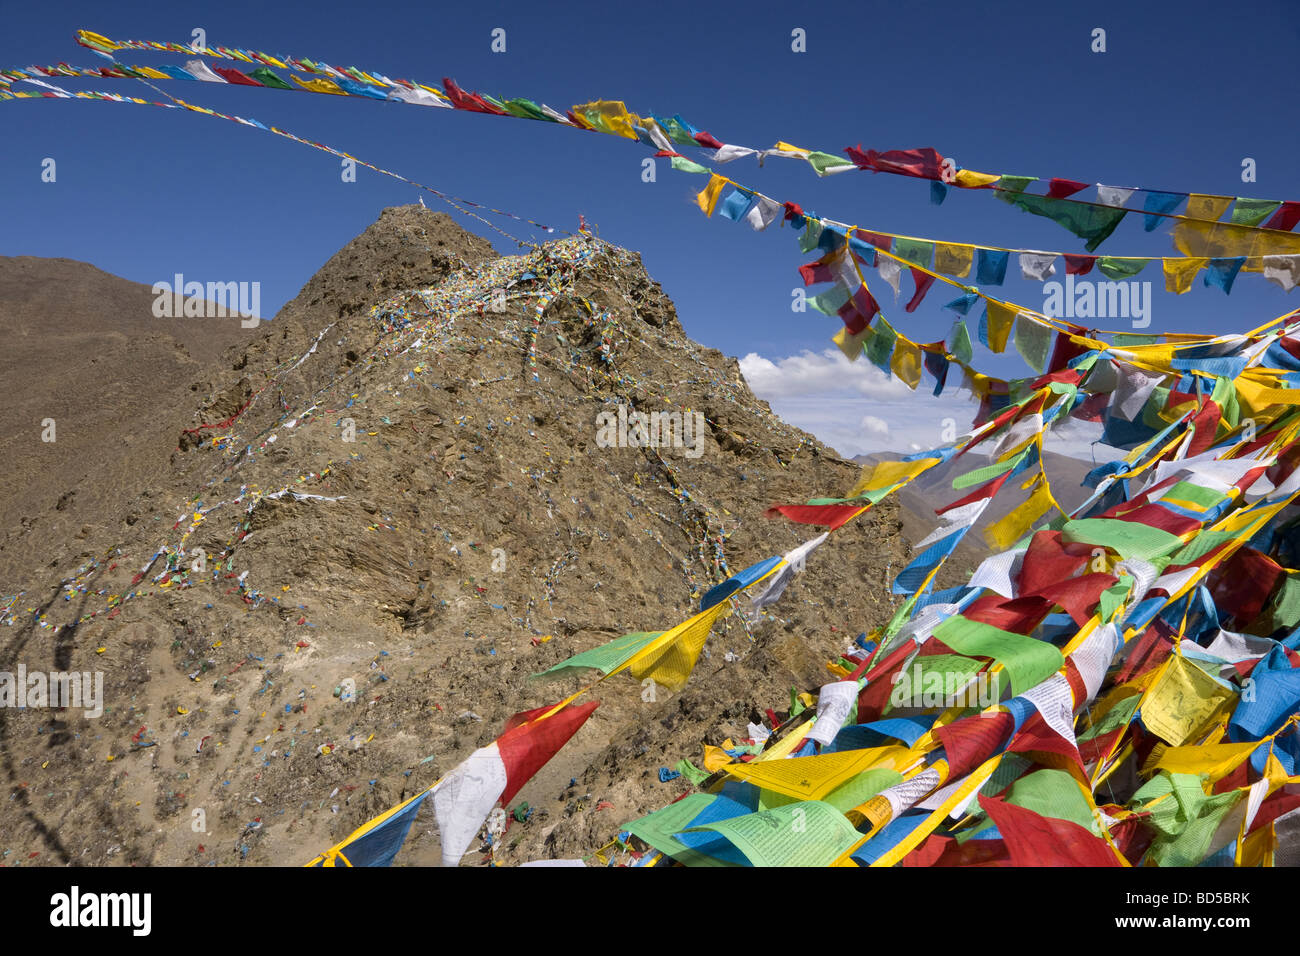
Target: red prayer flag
x,y
1060,188
1048,561
234,76
923,282
1035,840
1242,584
854,321
924,163
972,740
1079,265
462,100
527,747
1286,216
832,516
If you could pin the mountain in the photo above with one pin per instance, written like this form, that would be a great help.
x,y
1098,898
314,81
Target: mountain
x,y
91,378
401,482
933,489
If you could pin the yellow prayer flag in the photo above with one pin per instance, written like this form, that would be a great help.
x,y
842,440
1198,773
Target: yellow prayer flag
x,y
1181,701
1255,394
1201,206
1015,525
669,659
1179,273
787,148
811,778
969,179
787,743
1216,760
906,362
715,758
96,39
851,343
876,811
1157,356
1000,318
1226,240
708,198
952,259
319,85
1257,848
886,474
608,116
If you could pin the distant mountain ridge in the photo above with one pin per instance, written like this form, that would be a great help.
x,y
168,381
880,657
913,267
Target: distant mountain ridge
x,y
84,351
933,489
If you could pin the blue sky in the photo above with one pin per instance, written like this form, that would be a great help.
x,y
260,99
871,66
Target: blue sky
x,y
1183,93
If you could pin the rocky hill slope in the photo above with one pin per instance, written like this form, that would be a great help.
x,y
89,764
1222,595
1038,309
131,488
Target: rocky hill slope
x,y
397,486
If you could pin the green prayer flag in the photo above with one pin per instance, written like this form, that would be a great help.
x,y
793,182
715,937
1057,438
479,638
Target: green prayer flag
x,y
1130,538
936,680
1117,267
1027,661
807,833
686,166
1283,608
691,772
820,162
959,343
1251,212
811,234
606,657
830,301
526,109
1118,716
916,251
1015,184
1126,340
1112,599
1201,545
1196,494
1033,341
881,346
1091,223
268,77
1185,818
987,473
657,829
1053,793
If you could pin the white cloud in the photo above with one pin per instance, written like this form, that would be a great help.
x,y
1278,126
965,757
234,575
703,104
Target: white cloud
x,y
855,408
817,374
873,425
